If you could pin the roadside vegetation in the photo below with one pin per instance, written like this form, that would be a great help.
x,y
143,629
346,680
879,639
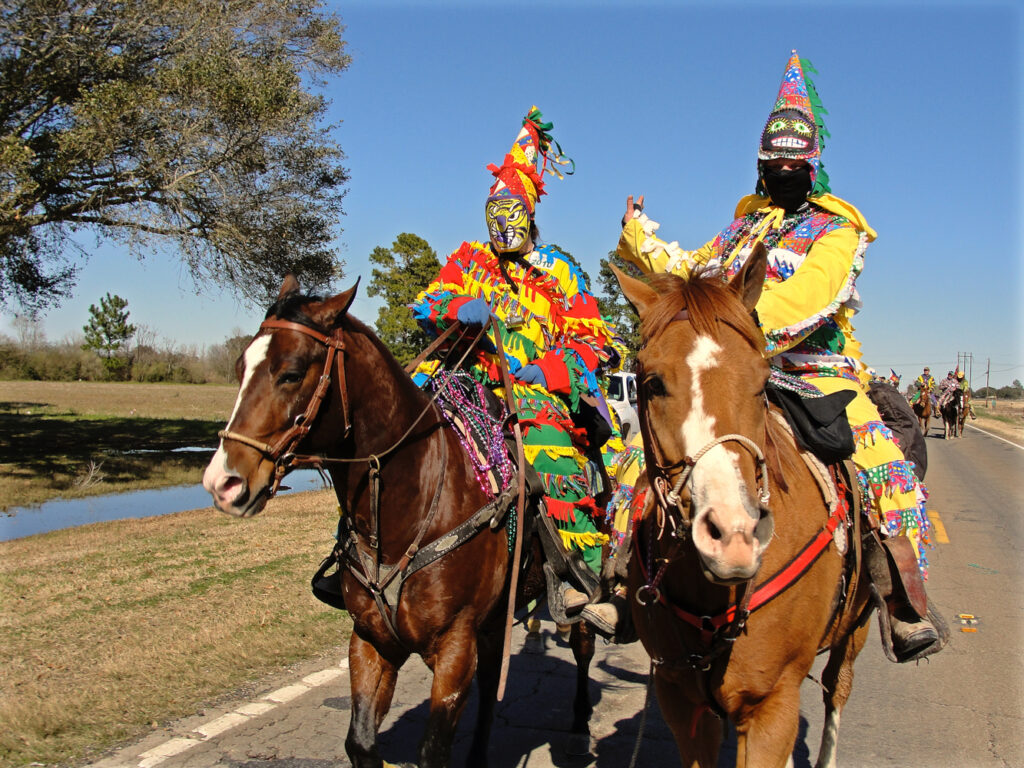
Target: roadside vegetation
x,y
77,439
1003,417
111,629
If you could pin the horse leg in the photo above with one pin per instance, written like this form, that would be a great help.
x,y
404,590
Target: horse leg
x,y
454,665
697,730
837,680
765,738
488,653
582,641
373,685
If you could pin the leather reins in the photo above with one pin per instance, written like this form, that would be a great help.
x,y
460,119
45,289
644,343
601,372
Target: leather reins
x,y
282,454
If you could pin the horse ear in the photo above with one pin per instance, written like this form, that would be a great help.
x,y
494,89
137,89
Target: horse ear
x,y
637,292
328,313
290,285
749,281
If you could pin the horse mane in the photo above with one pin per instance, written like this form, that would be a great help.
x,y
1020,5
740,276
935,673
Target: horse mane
x,y
707,299
290,307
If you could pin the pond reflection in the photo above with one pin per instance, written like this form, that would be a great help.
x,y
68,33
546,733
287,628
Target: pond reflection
x,y
66,513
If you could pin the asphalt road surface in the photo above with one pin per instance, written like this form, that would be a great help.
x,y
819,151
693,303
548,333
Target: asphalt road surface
x,y
961,708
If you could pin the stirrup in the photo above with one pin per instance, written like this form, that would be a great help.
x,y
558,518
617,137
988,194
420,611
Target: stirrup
x,y
901,643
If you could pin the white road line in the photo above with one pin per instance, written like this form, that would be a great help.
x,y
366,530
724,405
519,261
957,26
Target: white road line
x,y
997,437
167,749
254,708
286,694
323,676
220,725
242,714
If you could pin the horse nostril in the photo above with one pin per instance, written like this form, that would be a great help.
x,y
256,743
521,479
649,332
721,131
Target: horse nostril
x,y
229,488
714,531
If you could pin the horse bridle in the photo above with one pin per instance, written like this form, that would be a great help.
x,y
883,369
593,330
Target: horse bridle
x,y
282,453
667,496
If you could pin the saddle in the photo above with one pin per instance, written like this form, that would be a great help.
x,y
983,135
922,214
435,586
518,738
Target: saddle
x,y
896,586
479,419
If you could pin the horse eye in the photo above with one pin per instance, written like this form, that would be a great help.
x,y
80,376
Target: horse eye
x,y
654,386
290,377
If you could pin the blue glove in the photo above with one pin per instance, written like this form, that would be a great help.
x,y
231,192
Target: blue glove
x,y
532,374
476,312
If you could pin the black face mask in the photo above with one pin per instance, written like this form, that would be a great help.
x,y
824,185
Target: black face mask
x,y
787,189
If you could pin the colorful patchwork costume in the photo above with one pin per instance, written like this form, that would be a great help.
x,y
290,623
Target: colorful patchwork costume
x,y
815,253
554,338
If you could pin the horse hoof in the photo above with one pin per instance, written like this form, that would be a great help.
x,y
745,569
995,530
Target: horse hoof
x,y
578,744
534,643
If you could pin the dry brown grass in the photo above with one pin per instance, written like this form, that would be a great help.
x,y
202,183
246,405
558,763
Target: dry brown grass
x,y
1006,418
108,628
207,402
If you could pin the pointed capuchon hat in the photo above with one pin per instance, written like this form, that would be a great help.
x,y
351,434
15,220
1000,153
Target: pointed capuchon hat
x,y
519,175
795,128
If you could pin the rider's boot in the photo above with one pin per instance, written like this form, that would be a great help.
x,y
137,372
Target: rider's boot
x,y
608,618
573,600
910,630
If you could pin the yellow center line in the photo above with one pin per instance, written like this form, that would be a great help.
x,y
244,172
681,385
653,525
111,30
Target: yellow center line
x,y
938,528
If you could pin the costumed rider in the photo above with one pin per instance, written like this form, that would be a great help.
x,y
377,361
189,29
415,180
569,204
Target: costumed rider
x,y
965,385
946,389
555,342
816,243
925,384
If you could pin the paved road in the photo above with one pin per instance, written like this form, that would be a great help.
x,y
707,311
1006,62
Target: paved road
x,y
964,708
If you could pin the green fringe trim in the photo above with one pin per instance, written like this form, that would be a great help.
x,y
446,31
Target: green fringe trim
x,y
821,185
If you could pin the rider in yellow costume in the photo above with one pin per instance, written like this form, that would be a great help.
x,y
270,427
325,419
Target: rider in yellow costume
x,y
816,243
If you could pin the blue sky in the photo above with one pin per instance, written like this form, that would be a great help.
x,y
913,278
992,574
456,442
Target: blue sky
x,y
668,100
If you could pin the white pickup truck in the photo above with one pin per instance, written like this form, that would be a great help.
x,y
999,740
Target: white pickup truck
x,y
622,399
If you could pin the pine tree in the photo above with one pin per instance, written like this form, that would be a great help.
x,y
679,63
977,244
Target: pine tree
x,y
108,333
405,269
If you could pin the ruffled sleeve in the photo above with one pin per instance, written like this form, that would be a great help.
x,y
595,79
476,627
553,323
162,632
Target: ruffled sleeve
x,y
826,281
639,245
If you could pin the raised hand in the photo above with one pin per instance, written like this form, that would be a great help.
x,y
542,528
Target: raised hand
x,y
631,206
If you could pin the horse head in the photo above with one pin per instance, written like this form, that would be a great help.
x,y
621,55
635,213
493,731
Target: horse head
x,y
293,363
702,376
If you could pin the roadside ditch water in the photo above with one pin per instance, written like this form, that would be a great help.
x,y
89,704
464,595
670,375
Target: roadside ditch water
x,y
67,513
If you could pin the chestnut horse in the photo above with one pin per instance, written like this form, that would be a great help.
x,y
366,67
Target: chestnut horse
x,y
316,378
719,602
923,410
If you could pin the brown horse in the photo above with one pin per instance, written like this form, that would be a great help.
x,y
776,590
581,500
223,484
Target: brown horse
x,y
724,639
923,411
316,378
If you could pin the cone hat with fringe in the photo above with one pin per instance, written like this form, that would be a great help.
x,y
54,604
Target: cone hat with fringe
x,y
518,176
795,128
